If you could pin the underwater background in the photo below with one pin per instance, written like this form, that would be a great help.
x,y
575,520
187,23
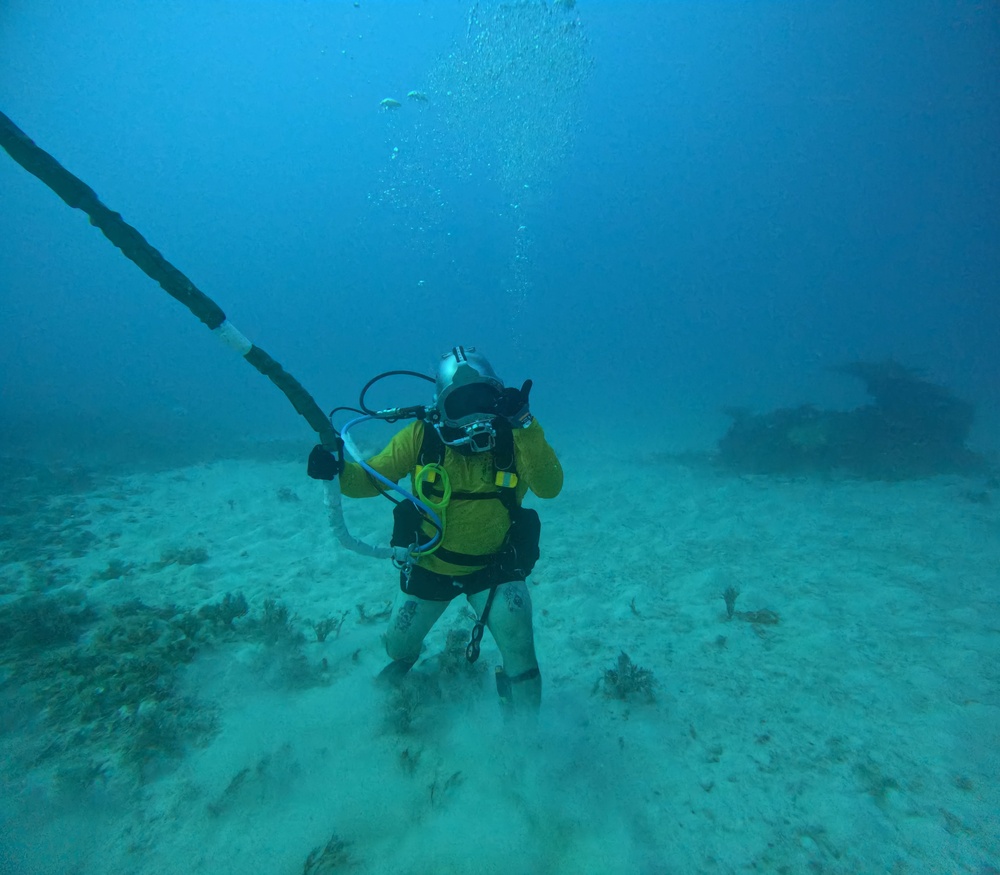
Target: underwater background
x,y
749,254
654,210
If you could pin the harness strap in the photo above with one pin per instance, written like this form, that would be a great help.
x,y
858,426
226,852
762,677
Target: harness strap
x,y
432,451
464,496
471,559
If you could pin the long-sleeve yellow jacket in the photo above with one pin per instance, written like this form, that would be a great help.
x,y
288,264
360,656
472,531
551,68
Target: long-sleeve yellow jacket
x,y
472,526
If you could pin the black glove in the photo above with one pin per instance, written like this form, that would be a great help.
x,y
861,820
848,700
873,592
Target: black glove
x,y
323,465
513,405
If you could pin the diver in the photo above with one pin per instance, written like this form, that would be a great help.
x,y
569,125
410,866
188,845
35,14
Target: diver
x,y
472,459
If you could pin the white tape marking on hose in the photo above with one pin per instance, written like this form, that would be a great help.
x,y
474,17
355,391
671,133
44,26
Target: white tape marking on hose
x,y
232,337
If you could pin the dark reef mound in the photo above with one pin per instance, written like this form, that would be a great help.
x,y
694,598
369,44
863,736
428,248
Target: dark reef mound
x,y
913,428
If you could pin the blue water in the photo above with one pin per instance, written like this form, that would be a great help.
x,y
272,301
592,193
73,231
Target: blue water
x,y
737,197
655,210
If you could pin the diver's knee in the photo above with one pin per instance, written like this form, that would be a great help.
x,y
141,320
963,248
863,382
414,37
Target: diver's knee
x,y
515,637
402,647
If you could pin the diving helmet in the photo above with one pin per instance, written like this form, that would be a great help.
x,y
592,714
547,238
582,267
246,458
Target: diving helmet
x,y
466,393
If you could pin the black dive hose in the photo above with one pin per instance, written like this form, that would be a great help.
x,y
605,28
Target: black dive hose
x,y
136,248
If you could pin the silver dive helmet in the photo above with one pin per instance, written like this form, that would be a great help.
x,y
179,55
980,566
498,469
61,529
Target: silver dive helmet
x,y
466,392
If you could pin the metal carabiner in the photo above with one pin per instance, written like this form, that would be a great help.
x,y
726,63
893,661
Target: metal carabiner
x,y
472,651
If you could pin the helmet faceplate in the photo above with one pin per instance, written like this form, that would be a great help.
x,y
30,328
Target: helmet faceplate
x,y
466,392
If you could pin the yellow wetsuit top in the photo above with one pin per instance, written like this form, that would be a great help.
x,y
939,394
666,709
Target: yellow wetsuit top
x,y
474,527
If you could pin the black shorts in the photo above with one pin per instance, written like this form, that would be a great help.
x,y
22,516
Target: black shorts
x,y
435,587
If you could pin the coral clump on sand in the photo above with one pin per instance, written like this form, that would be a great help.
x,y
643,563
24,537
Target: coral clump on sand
x,y
103,682
97,692
183,556
324,859
627,681
224,613
913,428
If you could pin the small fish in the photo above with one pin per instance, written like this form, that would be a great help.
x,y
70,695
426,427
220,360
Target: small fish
x,y
389,103
417,95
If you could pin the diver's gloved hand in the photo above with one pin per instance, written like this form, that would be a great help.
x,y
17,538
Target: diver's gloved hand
x,y
323,465
513,405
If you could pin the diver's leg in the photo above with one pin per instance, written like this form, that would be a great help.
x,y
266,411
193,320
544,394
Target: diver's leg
x,y
510,624
411,620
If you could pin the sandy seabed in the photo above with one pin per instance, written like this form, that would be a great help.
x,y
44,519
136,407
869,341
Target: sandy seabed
x,y
844,719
